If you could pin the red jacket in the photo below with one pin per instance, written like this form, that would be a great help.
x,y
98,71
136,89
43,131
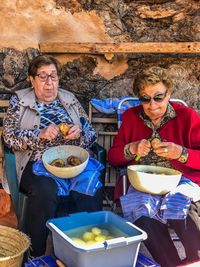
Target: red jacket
x,y
184,130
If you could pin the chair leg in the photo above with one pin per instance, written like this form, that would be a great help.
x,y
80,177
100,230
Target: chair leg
x,y
22,211
124,182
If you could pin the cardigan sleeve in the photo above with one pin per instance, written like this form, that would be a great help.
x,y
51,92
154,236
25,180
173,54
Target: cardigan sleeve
x,y
116,155
193,141
14,136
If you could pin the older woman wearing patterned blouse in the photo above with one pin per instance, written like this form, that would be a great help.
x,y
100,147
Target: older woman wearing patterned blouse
x,y
30,127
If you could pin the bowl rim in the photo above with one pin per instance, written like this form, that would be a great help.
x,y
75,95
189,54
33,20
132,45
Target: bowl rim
x,y
66,167
176,172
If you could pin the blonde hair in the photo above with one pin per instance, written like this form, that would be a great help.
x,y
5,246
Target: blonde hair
x,y
152,76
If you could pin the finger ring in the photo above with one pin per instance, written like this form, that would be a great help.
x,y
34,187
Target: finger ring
x,y
166,150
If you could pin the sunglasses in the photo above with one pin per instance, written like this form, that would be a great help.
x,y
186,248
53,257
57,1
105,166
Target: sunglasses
x,y
43,77
156,98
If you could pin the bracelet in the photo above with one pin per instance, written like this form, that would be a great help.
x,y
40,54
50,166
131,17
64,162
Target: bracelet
x,y
184,155
127,152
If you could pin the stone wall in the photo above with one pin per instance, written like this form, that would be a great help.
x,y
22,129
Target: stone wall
x,y
89,76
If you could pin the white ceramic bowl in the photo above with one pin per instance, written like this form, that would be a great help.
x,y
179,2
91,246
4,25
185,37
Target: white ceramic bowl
x,y
153,179
63,152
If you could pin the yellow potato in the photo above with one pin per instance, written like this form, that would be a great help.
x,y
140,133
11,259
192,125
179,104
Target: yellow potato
x,y
100,238
155,142
64,128
91,242
96,231
87,236
109,237
78,241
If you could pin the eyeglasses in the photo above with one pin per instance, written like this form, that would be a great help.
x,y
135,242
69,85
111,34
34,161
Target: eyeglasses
x,y
156,98
43,77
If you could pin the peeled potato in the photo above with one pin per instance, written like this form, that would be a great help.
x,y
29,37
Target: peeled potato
x,y
64,128
109,237
90,242
88,236
100,238
96,231
78,241
155,142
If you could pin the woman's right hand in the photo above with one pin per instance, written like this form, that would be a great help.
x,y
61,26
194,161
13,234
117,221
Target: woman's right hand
x,y
140,148
50,132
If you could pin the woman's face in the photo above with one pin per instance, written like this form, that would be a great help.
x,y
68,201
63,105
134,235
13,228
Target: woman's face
x,y
45,83
152,108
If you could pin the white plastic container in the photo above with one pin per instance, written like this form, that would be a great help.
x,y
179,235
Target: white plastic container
x,y
116,252
153,179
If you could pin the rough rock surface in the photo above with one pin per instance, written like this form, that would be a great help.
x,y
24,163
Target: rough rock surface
x,y
25,24
81,77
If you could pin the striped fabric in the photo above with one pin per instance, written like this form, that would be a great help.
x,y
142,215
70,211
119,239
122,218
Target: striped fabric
x,y
53,113
174,205
86,182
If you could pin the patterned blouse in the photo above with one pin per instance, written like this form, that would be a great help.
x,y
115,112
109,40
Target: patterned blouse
x,y
152,158
49,113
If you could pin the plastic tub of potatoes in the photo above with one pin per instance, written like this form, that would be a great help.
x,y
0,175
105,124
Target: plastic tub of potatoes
x,y
96,239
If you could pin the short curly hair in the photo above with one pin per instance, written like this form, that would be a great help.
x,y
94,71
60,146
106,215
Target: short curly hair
x,y
152,76
40,61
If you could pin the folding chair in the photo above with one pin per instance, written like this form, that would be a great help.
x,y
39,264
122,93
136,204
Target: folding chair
x,y
19,199
124,104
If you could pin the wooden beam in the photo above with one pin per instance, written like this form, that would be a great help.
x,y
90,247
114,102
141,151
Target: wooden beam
x,y
103,48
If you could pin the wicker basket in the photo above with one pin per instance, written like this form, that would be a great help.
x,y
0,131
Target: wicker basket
x,y
13,244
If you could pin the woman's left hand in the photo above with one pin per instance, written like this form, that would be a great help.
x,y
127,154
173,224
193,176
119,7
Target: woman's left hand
x,y
73,133
168,150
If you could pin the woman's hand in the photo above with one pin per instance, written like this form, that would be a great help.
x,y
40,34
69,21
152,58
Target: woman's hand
x,y
50,132
168,150
73,133
140,148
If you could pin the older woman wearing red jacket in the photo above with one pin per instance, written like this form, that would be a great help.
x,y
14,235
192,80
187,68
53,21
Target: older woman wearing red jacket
x,y
178,129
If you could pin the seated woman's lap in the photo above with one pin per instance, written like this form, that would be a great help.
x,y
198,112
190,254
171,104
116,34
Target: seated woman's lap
x,y
159,242
88,203
37,186
43,204
189,231
44,189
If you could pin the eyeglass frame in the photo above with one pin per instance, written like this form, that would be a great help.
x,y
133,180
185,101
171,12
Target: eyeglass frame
x,y
147,99
47,76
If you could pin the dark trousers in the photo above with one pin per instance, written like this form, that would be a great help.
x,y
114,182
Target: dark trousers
x,y
159,242
44,204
